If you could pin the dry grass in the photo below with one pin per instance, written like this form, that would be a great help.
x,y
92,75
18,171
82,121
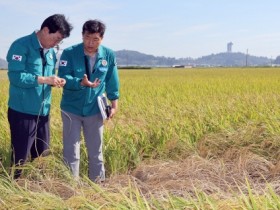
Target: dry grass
x,y
56,187
220,167
213,177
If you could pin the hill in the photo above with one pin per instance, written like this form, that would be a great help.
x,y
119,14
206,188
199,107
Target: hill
x,y
135,58
233,59
3,64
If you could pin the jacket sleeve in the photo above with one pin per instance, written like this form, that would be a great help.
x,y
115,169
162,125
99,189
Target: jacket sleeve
x,y
112,79
18,73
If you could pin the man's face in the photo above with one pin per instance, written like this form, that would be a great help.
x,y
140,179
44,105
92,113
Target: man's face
x,y
91,42
50,40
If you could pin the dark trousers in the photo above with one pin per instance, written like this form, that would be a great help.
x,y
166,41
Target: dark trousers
x,y
30,136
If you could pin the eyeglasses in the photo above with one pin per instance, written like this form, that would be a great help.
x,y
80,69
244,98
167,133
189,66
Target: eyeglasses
x,y
55,38
57,41
91,39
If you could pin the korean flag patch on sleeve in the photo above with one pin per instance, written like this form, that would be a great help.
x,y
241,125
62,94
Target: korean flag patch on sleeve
x,y
17,57
63,63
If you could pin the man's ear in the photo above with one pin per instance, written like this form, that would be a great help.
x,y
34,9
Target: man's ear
x,y
45,30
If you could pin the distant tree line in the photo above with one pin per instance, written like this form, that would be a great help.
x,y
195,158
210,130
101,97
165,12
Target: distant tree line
x,y
134,58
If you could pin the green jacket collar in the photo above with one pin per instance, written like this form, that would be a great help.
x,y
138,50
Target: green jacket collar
x,y
35,41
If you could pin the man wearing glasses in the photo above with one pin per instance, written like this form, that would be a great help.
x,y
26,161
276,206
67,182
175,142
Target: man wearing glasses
x,y
31,72
90,69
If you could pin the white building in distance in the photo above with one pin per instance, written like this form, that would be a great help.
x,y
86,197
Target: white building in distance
x,y
229,47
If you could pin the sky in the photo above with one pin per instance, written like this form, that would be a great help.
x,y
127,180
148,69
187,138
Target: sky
x,y
170,28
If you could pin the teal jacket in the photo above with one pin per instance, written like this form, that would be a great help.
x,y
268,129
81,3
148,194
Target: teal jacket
x,y
24,66
81,100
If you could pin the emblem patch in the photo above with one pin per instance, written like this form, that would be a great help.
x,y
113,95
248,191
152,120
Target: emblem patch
x,y
104,63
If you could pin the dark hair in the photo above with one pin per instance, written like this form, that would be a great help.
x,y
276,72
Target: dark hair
x,y
94,26
58,22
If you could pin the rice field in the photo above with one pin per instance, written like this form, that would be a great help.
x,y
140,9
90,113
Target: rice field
x,y
182,139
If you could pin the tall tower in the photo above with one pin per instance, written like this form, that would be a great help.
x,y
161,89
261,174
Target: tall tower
x,y
229,47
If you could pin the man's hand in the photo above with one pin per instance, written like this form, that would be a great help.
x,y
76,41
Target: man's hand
x,y
113,111
52,80
62,82
114,108
87,83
